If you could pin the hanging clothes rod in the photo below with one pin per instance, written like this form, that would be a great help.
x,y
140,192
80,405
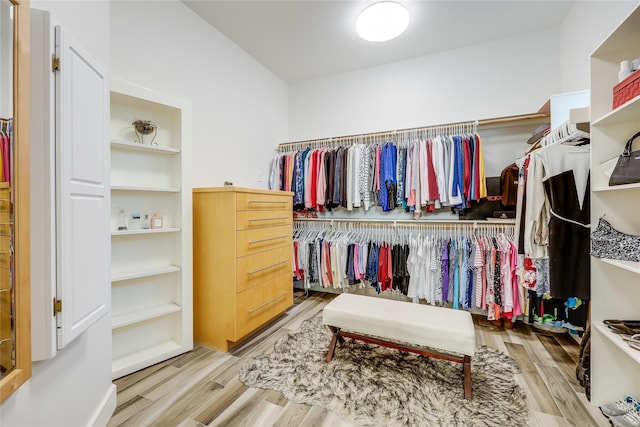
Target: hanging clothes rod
x,y
449,128
410,222
461,127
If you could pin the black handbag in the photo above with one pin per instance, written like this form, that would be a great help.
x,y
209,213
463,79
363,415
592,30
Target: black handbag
x,y
627,170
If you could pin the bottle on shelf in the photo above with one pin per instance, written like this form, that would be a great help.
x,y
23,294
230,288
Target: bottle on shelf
x,y
156,221
145,222
122,224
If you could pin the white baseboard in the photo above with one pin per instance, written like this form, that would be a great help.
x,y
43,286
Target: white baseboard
x,y
105,410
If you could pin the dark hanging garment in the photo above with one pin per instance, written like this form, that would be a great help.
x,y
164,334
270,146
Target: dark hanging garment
x,y
569,239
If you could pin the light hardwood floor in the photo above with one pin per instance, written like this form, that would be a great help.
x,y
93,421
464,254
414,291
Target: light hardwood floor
x,y
201,388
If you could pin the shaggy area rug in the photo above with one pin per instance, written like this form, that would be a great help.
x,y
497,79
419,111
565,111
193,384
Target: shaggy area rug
x,y
371,385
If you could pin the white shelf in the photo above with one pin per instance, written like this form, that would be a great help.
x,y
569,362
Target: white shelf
x,y
632,266
150,231
629,111
615,285
142,315
144,148
149,179
617,187
151,189
617,340
149,356
148,272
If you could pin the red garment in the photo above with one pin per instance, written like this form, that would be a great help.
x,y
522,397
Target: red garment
x,y
432,180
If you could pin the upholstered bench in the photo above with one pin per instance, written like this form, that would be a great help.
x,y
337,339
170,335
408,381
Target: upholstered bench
x,y
448,333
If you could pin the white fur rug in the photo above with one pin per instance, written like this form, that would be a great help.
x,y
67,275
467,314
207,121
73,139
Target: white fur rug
x,y
371,385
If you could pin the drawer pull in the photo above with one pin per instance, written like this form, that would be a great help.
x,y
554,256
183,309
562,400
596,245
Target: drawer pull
x,y
266,240
268,201
268,266
268,302
269,219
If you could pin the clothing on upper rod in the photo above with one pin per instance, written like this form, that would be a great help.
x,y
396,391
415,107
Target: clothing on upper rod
x,y
416,174
460,266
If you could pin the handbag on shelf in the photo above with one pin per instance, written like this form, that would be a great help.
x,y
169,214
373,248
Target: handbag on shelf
x,y
627,169
607,242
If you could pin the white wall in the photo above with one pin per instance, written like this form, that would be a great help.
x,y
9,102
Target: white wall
x,y
583,29
72,388
499,78
239,107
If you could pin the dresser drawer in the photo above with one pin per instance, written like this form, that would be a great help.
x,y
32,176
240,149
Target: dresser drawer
x,y
258,305
255,269
258,201
247,220
251,242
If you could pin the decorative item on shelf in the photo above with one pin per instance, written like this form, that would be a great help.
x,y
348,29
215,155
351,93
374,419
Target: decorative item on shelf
x,y
627,89
156,221
122,223
607,242
627,169
145,222
145,127
135,223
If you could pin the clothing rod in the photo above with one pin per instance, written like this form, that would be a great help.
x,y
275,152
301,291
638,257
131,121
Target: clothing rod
x,y
476,123
452,222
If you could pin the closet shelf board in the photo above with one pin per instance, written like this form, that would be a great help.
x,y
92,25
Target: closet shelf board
x,y
617,340
632,266
135,361
147,272
618,187
144,148
141,315
152,189
150,231
629,111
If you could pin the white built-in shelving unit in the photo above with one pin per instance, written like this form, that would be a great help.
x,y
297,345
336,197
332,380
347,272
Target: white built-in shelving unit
x,y
615,285
151,274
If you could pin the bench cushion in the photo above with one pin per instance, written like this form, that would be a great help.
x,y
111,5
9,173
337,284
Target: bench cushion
x,y
439,328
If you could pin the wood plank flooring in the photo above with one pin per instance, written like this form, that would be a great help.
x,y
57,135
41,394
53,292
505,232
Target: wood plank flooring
x,y
201,388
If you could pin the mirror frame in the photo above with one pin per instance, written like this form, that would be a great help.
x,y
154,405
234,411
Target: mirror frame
x,y
20,188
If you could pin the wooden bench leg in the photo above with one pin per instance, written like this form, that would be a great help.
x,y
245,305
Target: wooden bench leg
x,y
467,377
332,344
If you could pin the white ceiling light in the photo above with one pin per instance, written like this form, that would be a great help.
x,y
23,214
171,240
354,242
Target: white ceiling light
x,y
382,21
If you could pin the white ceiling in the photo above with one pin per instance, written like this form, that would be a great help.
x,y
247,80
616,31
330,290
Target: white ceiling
x,y
303,40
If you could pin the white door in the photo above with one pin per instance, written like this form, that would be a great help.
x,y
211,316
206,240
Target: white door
x,y
82,189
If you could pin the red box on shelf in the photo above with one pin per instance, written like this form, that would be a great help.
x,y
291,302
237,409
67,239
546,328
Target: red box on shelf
x,y
627,89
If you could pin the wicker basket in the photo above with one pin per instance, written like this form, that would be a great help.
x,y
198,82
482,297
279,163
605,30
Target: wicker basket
x,y
626,90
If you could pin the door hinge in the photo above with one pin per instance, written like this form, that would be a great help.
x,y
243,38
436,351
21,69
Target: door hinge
x,y
57,306
55,63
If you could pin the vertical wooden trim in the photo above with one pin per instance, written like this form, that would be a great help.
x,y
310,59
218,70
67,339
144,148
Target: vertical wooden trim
x,y
20,190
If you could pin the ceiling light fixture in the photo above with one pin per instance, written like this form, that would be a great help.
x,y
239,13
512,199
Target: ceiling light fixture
x,y
382,21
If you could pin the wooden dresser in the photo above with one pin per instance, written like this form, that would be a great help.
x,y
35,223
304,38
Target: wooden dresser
x,y
242,248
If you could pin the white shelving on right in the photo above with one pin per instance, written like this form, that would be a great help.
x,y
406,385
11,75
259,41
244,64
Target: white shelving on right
x,y
615,285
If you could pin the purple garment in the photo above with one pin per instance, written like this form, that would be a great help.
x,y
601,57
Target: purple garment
x,y
445,271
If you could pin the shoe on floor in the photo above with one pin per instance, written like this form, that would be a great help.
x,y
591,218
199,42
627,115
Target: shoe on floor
x,y
630,419
619,408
